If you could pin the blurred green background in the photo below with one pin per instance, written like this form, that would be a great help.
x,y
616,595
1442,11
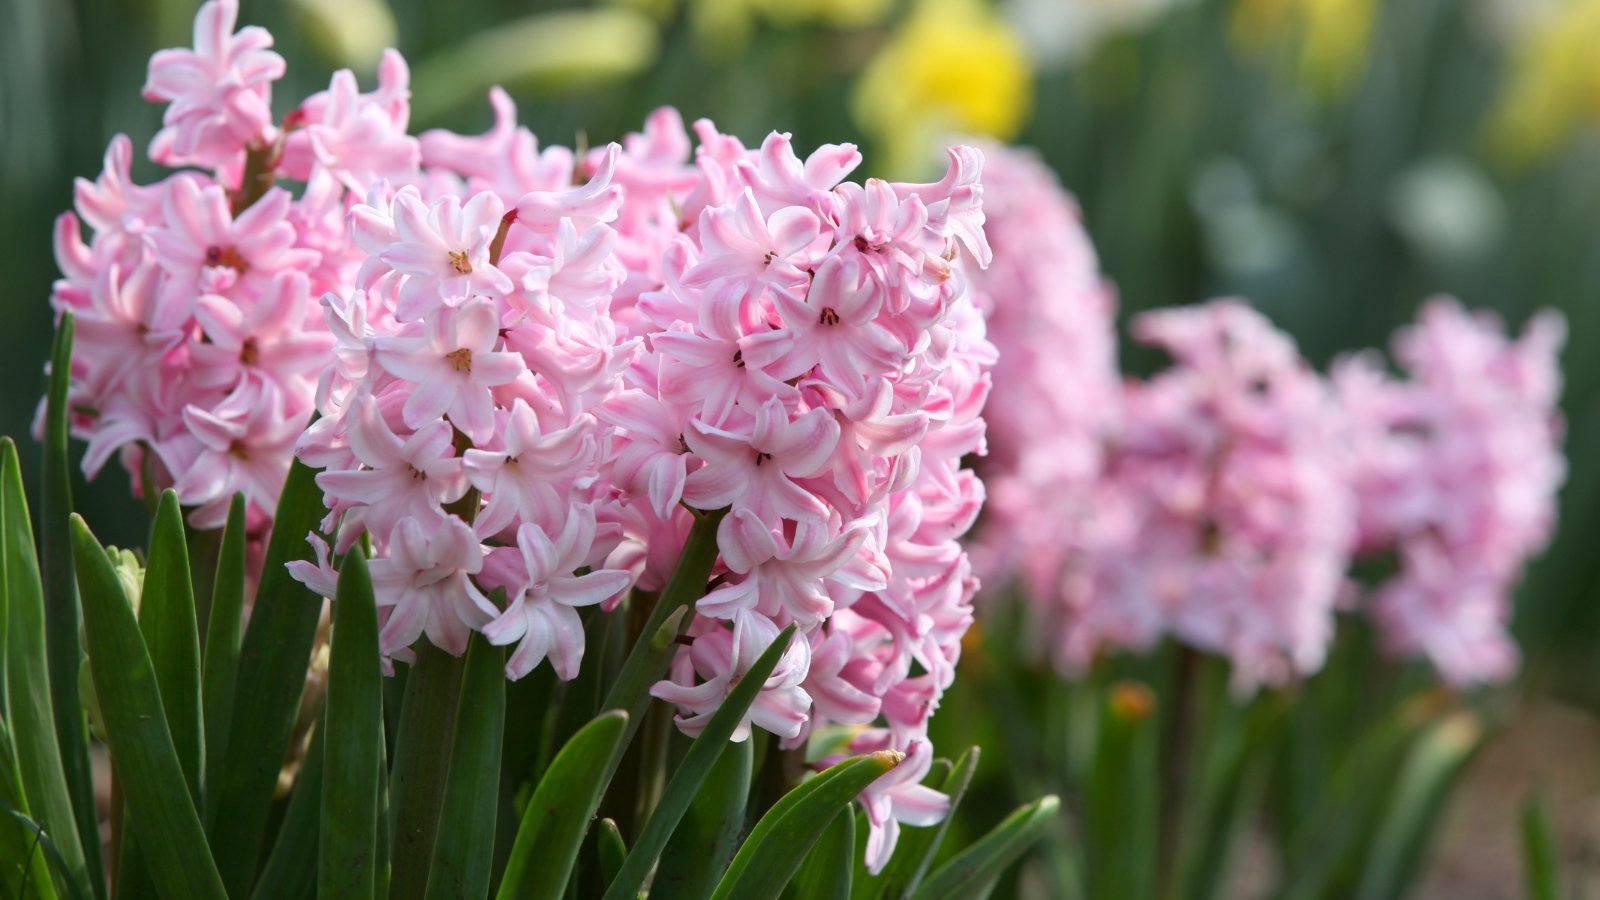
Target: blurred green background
x,y
1335,161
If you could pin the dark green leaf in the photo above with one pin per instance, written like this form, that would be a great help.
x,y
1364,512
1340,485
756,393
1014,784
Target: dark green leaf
x,y
704,842
62,615
826,871
28,701
1539,865
783,837
463,853
558,814
223,633
975,868
153,782
167,621
648,660
271,677
353,751
291,867
1402,838
421,766
613,849
691,774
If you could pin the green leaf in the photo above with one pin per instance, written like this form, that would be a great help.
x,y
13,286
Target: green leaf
x,y
167,622
28,701
613,849
35,858
271,677
24,848
291,868
463,853
704,842
62,614
692,772
826,871
353,751
421,766
783,837
1121,830
153,782
221,667
918,846
974,869
1425,781
1539,864
558,814
648,660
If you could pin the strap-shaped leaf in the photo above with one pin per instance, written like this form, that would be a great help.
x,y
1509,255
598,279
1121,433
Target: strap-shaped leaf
x,y
353,751
291,867
28,700
694,769
463,853
974,869
826,872
1431,769
153,782
221,666
783,837
421,765
704,842
918,846
1540,870
558,814
271,677
167,622
62,613
650,656
23,845
612,849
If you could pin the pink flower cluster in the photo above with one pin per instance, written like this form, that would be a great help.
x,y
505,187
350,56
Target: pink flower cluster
x,y
1223,501
1455,469
537,369
199,341
540,386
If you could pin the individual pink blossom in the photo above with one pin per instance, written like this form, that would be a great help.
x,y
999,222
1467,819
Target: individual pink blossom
x,y
756,471
543,591
425,578
720,657
219,93
899,797
452,367
410,477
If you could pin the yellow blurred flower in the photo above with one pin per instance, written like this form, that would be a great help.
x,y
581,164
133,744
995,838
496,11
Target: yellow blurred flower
x,y
951,66
1553,86
1327,39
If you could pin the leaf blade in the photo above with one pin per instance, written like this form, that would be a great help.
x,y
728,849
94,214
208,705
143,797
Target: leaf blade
x,y
353,749
975,868
271,678
693,771
558,814
40,764
153,781
463,854
220,666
